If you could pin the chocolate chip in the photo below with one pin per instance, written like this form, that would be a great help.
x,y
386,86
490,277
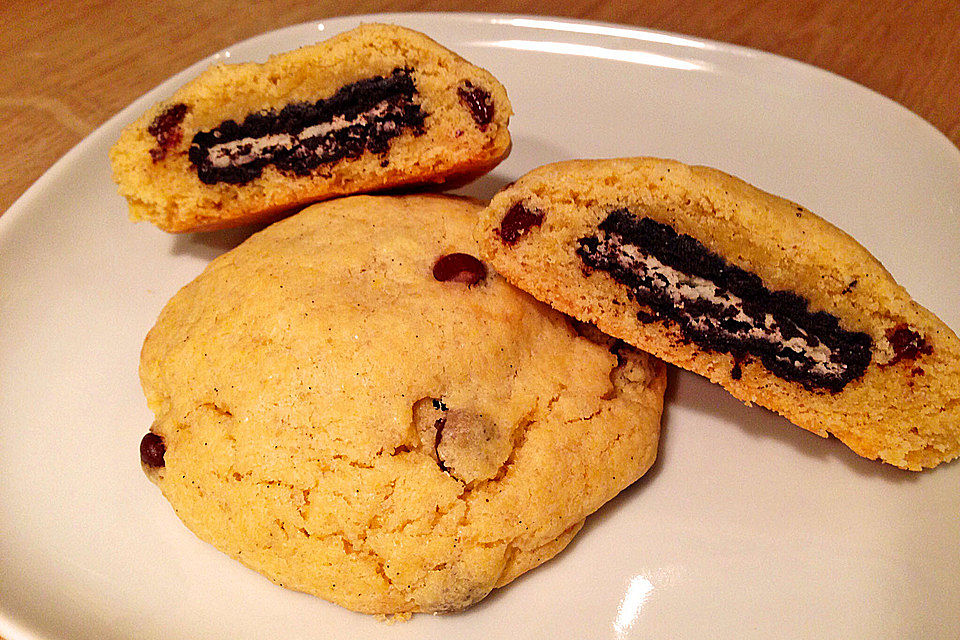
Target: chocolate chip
x,y
166,129
152,450
518,222
906,343
459,267
478,101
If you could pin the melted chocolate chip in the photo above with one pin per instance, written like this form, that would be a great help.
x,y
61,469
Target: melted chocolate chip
x,y
907,344
478,102
459,267
721,307
302,136
166,129
518,222
152,450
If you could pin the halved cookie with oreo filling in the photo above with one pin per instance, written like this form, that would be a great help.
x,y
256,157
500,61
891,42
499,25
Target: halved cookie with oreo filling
x,y
753,291
377,107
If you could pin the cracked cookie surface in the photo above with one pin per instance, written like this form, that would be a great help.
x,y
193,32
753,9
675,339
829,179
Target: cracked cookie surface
x,y
339,417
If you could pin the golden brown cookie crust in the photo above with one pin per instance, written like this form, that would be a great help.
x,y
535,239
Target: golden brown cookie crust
x,y
168,193
905,413
290,383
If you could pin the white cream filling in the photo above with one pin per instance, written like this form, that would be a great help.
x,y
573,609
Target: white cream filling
x,y
245,150
684,287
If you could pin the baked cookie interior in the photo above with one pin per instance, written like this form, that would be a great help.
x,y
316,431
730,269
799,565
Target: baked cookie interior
x,y
755,292
377,107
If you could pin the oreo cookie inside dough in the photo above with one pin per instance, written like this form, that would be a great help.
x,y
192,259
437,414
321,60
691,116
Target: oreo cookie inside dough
x,y
721,307
752,291
354,404
362,116
374,108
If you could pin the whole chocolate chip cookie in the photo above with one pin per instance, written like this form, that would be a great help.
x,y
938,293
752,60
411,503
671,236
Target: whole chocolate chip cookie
x,y
356,406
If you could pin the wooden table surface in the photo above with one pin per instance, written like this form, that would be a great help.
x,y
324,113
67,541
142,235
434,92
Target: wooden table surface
x,y
67,66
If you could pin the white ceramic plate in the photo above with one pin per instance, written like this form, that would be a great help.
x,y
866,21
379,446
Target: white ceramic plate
x,y
747,526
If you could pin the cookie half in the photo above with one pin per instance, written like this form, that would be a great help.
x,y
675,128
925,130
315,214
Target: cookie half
x,y
355,406
377,107
750,290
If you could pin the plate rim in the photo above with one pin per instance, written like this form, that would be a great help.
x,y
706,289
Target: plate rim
x,y
22,205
